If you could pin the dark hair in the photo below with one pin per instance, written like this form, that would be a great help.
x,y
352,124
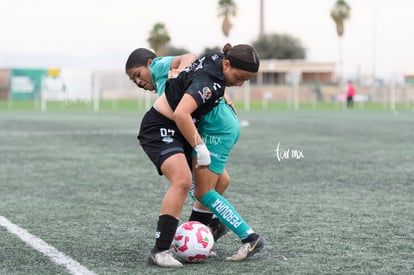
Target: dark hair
x,y
242,56
139,57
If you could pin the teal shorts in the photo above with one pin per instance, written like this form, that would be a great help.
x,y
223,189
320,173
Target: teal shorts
x,y
220,130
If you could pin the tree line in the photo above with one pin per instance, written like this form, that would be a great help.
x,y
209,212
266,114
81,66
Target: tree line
x,y
269,46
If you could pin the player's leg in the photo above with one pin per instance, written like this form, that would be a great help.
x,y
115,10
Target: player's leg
x,y
177,172
218,228
202,214
251,242
168,155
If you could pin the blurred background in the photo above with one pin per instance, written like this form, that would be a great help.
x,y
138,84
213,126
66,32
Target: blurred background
x,y
75,51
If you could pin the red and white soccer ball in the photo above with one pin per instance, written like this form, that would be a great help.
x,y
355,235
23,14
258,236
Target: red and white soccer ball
x,y
192,242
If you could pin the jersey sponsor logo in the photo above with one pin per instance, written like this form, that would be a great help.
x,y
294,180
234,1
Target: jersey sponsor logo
x,y
205,94
217,156
167,140
214,140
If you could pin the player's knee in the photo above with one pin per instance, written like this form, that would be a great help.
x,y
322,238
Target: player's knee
x,y
183,183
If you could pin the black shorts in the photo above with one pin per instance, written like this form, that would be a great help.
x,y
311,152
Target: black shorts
x,y
160,139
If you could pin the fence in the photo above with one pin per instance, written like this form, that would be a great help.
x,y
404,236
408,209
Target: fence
x,y
114,85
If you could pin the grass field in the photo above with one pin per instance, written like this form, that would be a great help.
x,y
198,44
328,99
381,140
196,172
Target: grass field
x,y
79,181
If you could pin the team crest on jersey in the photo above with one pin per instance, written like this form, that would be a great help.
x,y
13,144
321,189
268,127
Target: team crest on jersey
x,y
205,93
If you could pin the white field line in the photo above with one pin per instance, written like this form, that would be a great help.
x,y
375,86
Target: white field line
x,y
88,132
55,255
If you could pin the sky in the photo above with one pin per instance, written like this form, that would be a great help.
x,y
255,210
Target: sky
x,y
378,38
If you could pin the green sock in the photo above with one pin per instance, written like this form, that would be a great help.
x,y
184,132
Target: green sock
x,y
226,213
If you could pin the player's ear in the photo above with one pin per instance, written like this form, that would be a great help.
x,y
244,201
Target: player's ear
x,y
149,62
226,65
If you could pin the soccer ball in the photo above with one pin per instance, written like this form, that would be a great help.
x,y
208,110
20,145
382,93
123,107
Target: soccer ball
x,y
193,242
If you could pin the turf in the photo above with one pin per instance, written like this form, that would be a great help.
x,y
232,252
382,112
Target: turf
x,y
79,181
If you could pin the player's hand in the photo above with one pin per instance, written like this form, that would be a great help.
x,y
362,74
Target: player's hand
x,y
203,156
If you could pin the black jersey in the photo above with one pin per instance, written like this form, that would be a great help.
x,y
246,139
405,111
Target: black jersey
x,y
203,80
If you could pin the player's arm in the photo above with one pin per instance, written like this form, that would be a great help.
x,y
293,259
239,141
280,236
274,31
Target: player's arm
x,y
179,63
184,121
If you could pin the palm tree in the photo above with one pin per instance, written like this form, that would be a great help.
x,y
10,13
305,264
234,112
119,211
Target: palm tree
x,y
227,8
159,39
340,12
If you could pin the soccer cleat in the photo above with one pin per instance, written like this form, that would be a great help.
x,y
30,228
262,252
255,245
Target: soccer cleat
x,y
218,229
247,250
164,259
